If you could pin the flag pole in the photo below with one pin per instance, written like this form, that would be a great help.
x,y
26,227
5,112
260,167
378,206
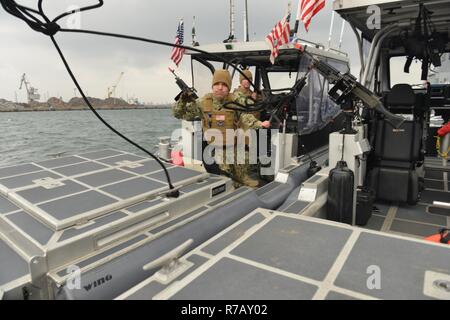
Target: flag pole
x,y
297,19
231,20
289,7
194,35
289,17
246,31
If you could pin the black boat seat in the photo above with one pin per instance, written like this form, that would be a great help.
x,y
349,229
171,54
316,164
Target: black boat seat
x,y
397,153
402,99
398,144
395,184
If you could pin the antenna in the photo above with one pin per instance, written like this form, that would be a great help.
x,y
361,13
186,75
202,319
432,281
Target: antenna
x,y
331,30
194,34
231,20
342,34
246,31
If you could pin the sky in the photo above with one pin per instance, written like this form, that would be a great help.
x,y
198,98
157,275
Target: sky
x,y
98,61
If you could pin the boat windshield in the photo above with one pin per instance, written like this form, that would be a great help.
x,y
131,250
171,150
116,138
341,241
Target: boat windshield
x,y
314,107
202,73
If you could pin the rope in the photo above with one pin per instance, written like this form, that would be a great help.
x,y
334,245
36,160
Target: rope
x,y
38,21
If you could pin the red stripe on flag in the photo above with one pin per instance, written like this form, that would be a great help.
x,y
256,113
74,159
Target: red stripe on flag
x,y
308,9
277,37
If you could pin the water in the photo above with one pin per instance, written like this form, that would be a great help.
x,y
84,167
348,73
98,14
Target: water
x,y
37,136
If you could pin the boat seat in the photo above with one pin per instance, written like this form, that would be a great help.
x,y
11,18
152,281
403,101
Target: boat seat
x,y
397,152
395,184
402,99
398,144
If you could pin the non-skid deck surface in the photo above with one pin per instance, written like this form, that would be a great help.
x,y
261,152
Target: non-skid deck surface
x,y
437,175
12,266
414,221
65,191
285,256
423,219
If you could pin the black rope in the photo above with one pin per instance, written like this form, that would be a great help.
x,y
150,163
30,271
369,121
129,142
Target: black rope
x,y
103,120
158,42
38,21
51,28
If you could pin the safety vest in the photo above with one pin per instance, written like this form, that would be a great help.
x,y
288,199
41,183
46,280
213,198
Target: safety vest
x,y
444,130
442,237
222,119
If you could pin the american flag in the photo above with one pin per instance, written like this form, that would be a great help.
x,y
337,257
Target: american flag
x,y
177,53
278,37
307,9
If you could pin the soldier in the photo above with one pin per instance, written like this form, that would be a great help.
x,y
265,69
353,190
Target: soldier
x,y
244,85
244,92
210,109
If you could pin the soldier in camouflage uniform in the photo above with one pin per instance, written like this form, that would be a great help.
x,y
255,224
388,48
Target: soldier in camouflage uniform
x,y
244,85
244,91
214,116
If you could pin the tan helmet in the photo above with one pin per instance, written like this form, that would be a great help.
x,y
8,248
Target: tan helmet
x,y
247,73
222,76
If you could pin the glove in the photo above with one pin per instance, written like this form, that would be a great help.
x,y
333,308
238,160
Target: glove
x,y
187,96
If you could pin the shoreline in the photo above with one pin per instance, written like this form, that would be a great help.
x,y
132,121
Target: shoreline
x,y
85,109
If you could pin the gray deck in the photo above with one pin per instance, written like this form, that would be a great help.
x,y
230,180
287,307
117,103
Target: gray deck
x,y
421,220
63,192
87,207
271,255
12,266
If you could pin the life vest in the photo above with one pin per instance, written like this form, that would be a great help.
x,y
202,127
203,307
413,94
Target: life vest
x,y
442,237
177,158
444,130
222,119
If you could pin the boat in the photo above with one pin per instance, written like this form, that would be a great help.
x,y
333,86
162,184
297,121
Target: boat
x,y
101,225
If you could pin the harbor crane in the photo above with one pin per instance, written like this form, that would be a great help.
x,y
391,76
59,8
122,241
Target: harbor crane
x,y
112,89
32,93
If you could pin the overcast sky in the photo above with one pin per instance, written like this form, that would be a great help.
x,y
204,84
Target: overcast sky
x,y
98,61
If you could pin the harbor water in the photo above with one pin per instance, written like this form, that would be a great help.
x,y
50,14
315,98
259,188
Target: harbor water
x,y
36,136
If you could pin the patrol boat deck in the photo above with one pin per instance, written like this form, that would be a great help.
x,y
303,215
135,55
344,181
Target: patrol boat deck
x,y
78,208
294,252
274,255
104,215
99,226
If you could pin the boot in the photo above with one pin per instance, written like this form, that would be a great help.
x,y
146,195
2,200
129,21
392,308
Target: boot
x,y
250,182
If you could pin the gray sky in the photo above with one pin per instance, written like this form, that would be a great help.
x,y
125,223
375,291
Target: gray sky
x,y
98,61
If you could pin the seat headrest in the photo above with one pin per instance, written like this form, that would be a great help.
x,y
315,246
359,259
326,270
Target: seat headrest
x,y
401,95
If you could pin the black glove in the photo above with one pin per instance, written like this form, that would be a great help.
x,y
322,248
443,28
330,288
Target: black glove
x,y
187,96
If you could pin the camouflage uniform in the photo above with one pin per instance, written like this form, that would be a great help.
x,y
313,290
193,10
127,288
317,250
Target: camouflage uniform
x,y
244,93
193,110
